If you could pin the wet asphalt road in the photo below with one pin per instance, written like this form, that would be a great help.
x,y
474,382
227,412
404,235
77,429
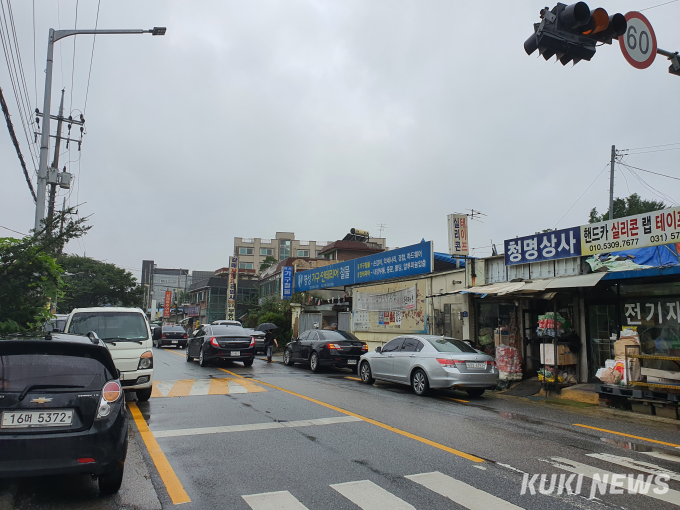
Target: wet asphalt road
x,y
226,436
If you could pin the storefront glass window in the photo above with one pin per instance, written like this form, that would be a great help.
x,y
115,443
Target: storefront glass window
x,y
491,316
603,324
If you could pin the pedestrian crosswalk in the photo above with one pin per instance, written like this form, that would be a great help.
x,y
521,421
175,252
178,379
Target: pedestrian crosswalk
x,y
368,495
194,387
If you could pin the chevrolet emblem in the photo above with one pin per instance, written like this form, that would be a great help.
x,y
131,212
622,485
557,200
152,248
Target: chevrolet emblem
x,y
41,400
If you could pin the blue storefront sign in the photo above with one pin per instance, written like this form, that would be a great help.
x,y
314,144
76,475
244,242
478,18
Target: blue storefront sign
x,y
287,282
557,244
407,261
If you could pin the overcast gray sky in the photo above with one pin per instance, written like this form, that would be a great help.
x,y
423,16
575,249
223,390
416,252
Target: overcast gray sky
x,y
251,117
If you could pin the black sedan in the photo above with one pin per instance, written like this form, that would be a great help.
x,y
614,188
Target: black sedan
x,y
62,409
323,348
172,335
259,339
209,343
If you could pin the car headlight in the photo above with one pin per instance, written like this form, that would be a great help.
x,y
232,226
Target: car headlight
x,y
145,361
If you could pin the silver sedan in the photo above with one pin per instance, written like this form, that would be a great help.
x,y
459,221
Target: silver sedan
x,y
427,361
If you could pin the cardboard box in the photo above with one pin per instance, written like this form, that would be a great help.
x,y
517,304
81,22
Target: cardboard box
x,y
501,336
620,347
661,374
564,355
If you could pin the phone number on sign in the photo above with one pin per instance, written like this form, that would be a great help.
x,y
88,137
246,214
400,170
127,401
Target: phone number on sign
x,y
624,243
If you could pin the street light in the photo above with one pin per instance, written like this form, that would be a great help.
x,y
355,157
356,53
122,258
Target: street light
x,y
56,35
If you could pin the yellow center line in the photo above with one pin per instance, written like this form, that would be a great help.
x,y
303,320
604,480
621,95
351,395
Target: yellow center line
x,y
368,420
627,435
172,484
353,378
174,351
457,400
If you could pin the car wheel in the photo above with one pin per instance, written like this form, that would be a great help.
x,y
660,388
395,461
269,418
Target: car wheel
x,y
288,358
189,358
365,373
475,392
314,362
110,482
420,383
248,363
144,395
201,358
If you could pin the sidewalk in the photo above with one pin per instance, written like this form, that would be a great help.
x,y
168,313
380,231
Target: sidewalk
x,y
531,388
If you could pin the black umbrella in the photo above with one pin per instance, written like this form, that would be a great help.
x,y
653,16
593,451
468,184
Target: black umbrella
x,y
266,326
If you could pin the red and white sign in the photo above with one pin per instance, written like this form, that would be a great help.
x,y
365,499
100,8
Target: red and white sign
x,y
168,303
638,44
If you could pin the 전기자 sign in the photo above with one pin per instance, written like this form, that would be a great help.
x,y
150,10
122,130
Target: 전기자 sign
x,y
643,230
553,245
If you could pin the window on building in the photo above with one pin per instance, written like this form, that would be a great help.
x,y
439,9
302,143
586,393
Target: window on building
x,y
318,254
245,265
246,251
303,253
267,252
284,249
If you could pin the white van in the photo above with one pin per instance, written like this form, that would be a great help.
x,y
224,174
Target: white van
x,y
127,334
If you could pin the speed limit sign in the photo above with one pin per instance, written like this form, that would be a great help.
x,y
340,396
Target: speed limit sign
x,y
638,44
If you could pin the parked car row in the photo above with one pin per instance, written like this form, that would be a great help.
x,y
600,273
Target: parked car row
x,y
420,361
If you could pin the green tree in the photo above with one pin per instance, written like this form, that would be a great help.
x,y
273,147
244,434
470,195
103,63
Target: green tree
x,y
29,274
90,282
630,206
267,262
277,312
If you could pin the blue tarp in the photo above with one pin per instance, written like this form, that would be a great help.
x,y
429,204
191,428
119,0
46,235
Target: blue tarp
x,y
657,256
445,257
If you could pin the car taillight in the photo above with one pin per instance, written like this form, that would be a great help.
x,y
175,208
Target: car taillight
x,y
334,346
448,362
185,335
492,363
214,342
145,361
252,341
364,347
111,392
163,335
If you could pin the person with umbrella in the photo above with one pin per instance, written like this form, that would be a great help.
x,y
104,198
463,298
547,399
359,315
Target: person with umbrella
x,y
269,340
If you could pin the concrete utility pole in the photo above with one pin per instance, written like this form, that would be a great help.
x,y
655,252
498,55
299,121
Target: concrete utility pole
x,y
54,36
55,161
611,184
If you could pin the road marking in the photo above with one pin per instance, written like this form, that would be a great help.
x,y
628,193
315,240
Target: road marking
x,y
353,378
219,387
461,493
255,426
663,456
282,500
181,388
194,387
369,496
201,387
172,484
163,387
457,400
369,420
627,435
628,483
645,467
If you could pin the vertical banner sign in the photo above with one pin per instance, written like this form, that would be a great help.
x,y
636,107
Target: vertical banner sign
x,y
168,303
553,245
287,282
458,235
231,298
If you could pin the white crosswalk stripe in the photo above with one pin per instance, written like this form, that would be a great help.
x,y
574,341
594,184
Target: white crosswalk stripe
x,y
461,493
645,467
282,500
200,387
628,484
663,456
165,386
369,496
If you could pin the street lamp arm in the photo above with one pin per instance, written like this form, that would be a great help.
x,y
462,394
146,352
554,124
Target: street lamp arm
x,y
60,34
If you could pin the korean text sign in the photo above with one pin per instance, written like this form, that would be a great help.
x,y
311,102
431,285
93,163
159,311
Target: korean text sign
x,y
557,244
407,261
648,229
458,234
168,303
287,282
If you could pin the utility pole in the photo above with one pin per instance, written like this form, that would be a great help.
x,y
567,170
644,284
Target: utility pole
x,y
611,184
55,161
54,36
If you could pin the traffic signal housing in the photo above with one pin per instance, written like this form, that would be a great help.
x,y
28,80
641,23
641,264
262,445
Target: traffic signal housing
x,y
570,32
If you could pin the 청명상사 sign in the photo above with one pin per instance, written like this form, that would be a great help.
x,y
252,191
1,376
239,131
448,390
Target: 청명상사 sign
x,y
407,261
648,229
287,282
557,244
404,299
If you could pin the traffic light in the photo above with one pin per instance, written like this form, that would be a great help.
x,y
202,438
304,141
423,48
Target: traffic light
x,y
570,32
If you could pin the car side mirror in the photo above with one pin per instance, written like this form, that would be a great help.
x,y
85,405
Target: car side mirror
x,y
118,372
378,349
157,333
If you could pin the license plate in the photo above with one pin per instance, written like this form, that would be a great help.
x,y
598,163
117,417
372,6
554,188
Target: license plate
x,y
174,341
27,419
473,364
351,362
235,353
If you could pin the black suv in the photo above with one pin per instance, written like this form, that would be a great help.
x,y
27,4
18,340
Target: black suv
x,y
62,409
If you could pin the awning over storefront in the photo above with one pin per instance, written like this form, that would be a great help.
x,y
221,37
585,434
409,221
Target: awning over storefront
x,y
495,289
537,286
581,280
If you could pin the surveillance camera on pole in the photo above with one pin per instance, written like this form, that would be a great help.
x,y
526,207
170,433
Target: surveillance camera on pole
x,y
570,32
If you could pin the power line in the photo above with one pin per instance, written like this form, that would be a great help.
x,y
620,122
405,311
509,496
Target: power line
x,y
580,197
15,231
648,171
13,136
73,63
659,5
649,187
649,146
94,40
657,150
